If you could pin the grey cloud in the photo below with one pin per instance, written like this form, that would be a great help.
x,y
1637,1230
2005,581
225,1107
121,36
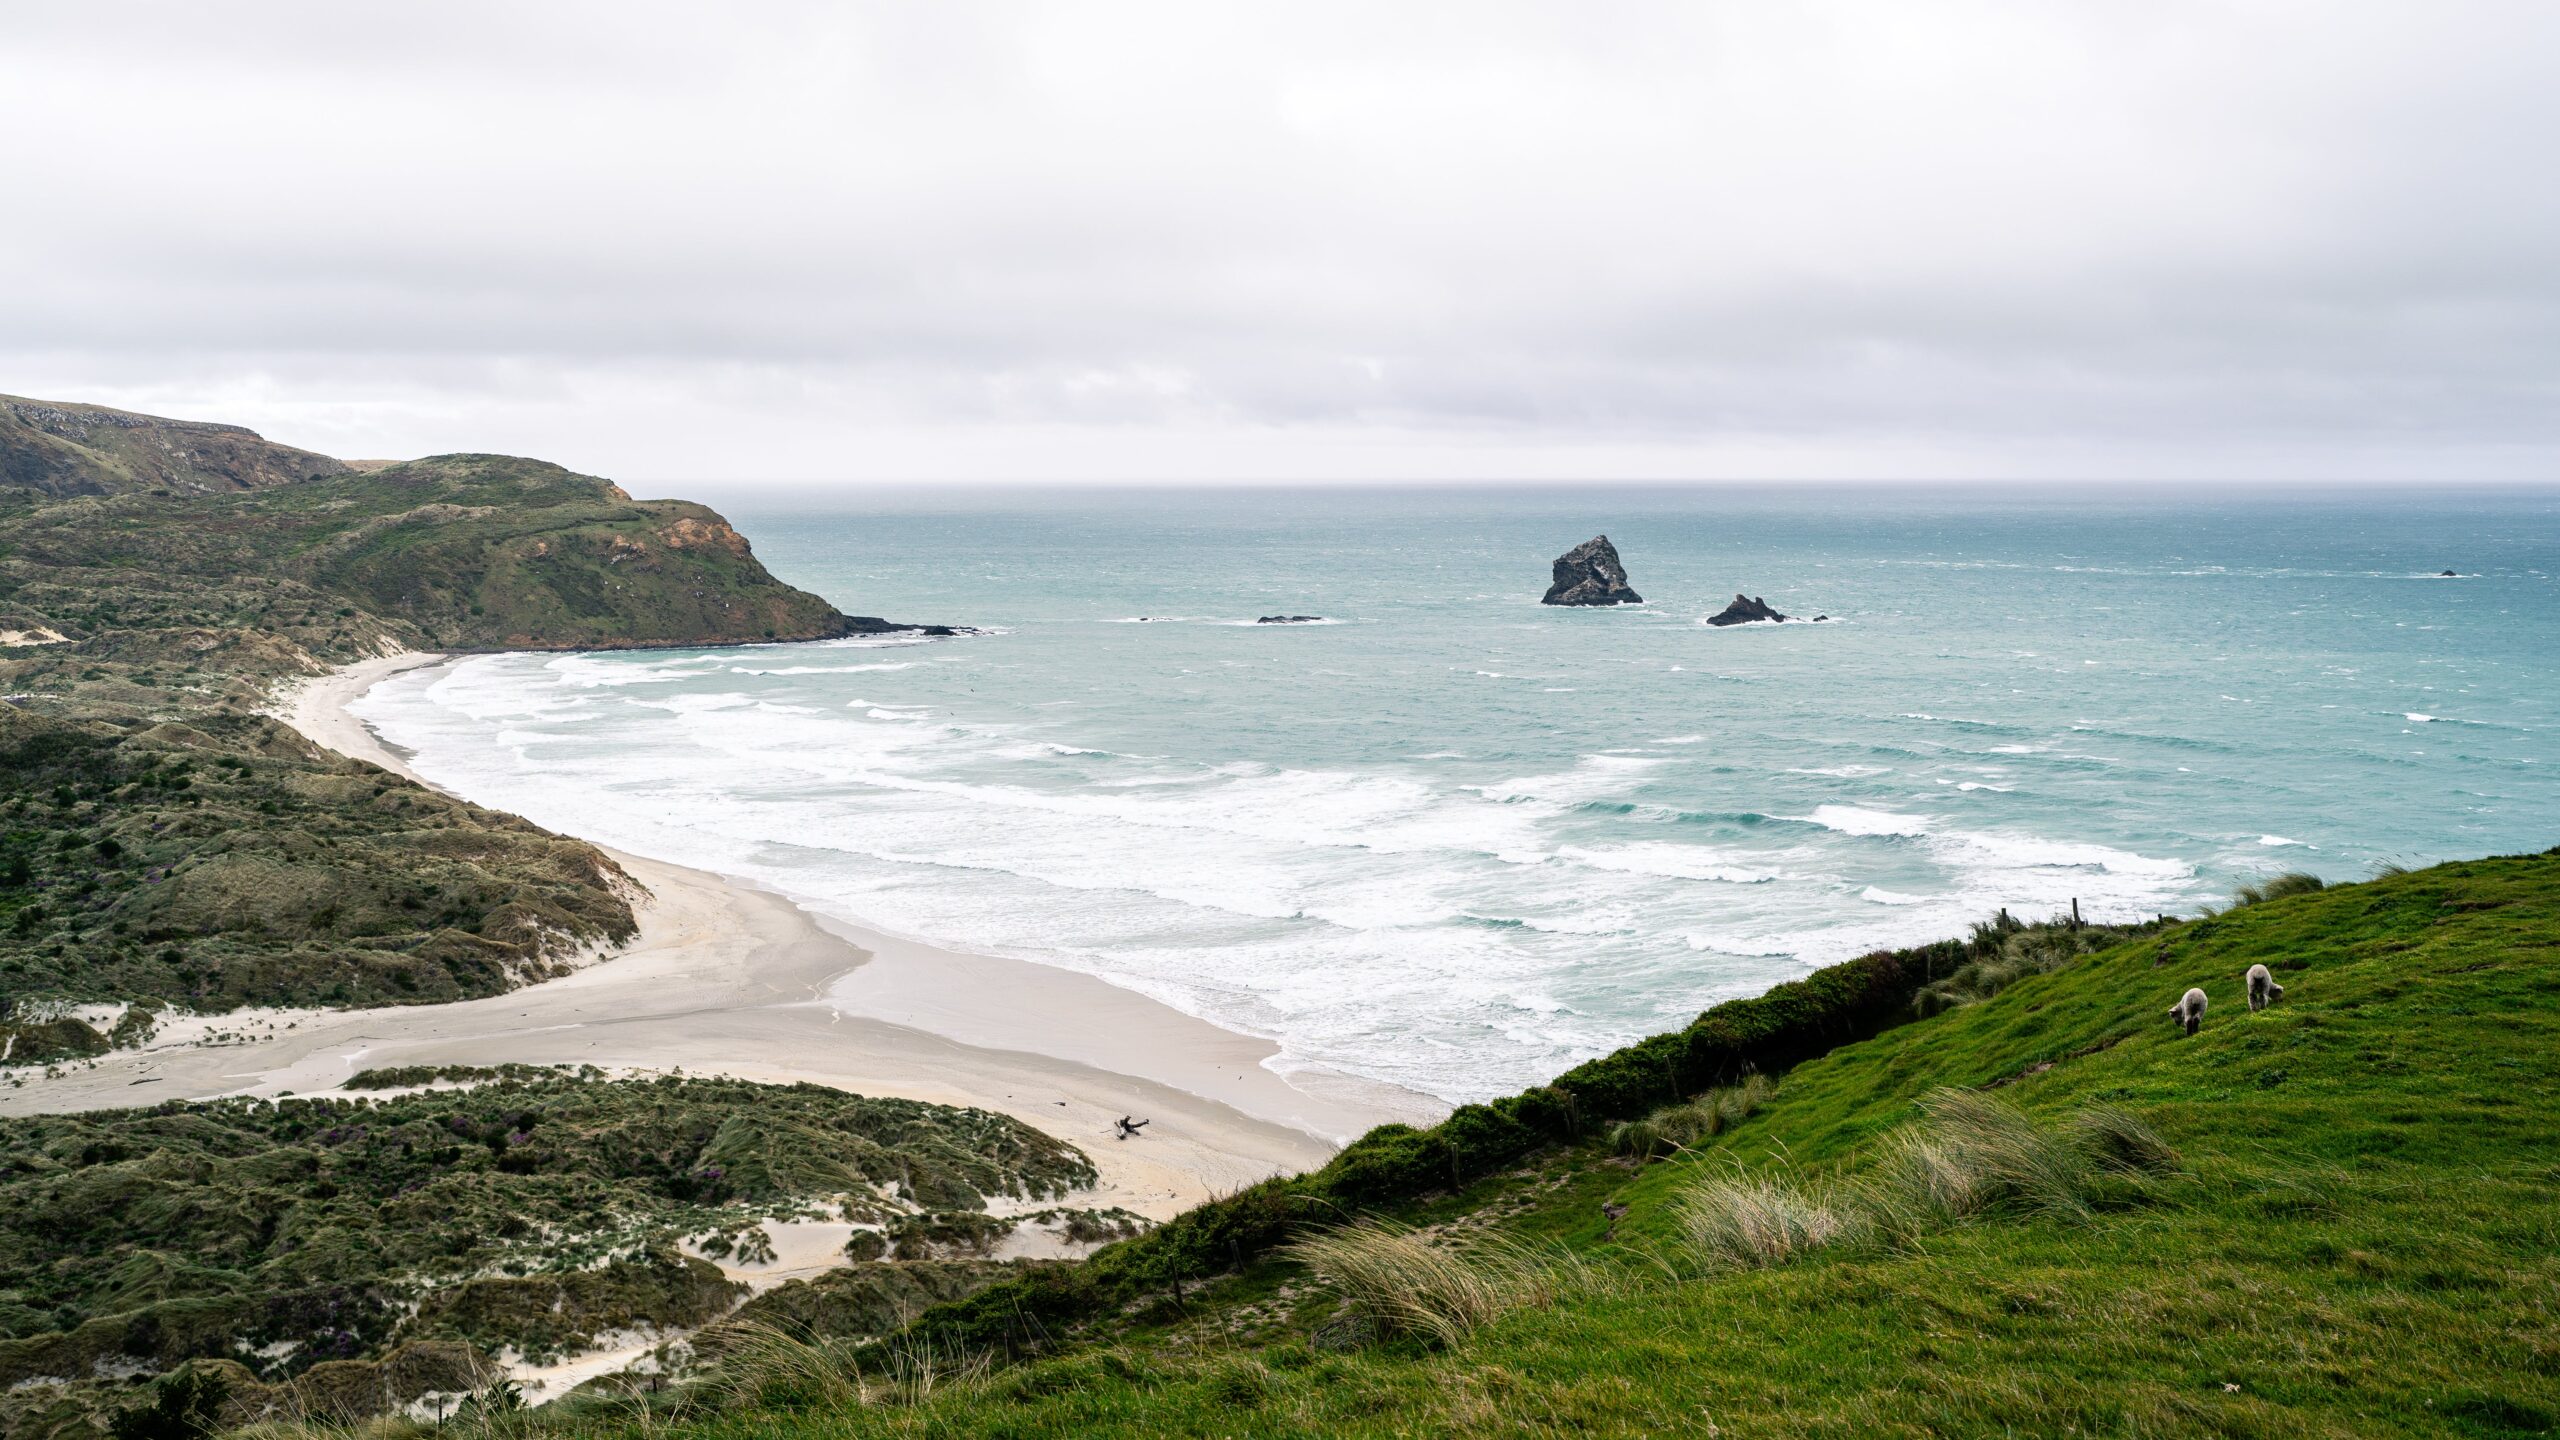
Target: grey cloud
x,y
1485,238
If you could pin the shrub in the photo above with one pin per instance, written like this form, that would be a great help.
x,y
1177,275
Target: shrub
x,y
184,1405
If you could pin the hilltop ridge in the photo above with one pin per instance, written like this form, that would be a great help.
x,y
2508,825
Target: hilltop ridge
x,y
62,448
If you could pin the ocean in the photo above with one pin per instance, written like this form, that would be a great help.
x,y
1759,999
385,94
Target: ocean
x,y
1456,840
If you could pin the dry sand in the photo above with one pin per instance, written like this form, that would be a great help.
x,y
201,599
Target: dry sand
x,y
731,980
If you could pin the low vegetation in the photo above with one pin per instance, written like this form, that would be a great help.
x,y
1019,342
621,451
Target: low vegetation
x,y
387,1246
220,861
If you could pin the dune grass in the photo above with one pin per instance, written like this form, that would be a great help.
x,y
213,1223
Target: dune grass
x,y
1440,1289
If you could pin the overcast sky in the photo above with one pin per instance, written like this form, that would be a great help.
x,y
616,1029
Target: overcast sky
x,y
1305,241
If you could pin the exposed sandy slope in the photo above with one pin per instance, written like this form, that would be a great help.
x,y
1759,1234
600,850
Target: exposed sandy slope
x,y
726,979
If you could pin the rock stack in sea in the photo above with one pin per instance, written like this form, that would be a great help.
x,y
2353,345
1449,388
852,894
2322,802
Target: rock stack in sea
x,y
1745,610
1590,574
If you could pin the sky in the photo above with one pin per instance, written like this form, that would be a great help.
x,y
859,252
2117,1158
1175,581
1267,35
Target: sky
x,y
1734,240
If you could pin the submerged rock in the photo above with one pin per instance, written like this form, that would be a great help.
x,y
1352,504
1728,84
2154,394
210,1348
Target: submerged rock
x,y
1288,620
874,625
1744,610
1590,574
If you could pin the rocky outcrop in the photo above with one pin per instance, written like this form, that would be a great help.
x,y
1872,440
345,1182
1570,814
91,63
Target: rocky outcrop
x,y
874,625
1745,610
1590,574
1288,620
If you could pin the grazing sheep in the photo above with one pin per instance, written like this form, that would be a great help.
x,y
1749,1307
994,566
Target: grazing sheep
x,y
2263,989
2189,1011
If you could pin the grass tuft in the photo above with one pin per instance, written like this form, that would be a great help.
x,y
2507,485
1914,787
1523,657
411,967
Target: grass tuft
x,y
2298,882
1406,1283
766,1367
1740,1221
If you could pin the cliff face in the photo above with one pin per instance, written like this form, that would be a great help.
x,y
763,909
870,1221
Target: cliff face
x,y
59,449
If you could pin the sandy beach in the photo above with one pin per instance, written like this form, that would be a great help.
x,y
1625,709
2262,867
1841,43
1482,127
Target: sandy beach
x,y
727,979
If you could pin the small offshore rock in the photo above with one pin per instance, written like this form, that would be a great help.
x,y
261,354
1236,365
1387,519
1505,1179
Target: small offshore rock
x,y
2447,575
1745,610
1590,574
1288,620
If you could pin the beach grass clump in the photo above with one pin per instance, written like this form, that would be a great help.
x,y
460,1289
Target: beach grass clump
x,y
1406,1283
1972,1154
1734,1220
2297,882
767,1367
1977,1154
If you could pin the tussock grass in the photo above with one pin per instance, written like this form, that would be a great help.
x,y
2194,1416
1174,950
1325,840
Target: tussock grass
x,y
1675,1128
1740,1221
2297,882
1405,1283
1976,1153
766,1367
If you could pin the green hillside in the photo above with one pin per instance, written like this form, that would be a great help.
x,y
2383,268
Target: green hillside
x,y
454,552
2043,1213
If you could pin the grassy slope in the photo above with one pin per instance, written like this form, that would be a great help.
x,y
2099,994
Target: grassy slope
x,y
2362,1241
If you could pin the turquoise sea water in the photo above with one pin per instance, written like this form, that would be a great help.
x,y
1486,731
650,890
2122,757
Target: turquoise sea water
x,y
1457,840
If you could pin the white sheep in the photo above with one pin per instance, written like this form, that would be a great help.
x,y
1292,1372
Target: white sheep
x,y
2263,989
2189,1011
